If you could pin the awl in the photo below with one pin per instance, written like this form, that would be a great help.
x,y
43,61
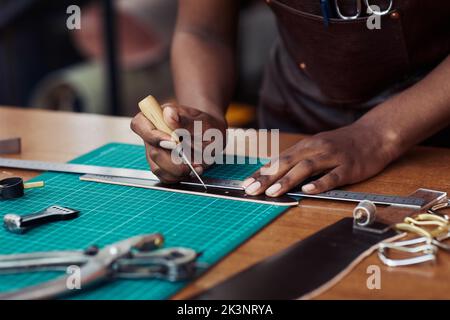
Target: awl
x,y
153,112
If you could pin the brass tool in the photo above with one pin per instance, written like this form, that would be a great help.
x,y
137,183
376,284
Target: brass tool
x,y
153,112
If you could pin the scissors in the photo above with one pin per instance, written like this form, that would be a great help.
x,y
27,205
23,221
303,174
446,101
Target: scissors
x,y
133,258
358,3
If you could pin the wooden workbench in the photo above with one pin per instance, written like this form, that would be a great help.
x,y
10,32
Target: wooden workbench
x,y
58,136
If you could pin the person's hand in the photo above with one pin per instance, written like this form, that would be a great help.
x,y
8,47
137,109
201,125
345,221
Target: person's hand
x,y
343,156
159,145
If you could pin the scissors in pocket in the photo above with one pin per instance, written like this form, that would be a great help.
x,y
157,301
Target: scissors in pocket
x,y
371,9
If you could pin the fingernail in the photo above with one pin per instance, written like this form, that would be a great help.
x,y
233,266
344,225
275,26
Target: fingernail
x,y
273,189
169,145
199,170
171,113
308,188
251,189
247,182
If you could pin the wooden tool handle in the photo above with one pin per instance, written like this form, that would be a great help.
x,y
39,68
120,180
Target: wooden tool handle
x,y
153,112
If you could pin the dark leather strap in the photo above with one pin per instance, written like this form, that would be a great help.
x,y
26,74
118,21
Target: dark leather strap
x,y
301,268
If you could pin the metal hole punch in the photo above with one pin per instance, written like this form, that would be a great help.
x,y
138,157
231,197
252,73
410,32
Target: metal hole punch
x,y
133,258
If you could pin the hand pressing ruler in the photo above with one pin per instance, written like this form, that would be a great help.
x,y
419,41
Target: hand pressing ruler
x,y
233,188
220,187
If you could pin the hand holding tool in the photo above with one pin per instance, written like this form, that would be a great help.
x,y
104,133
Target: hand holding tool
x,y
153,112
135,257
144,177
19,224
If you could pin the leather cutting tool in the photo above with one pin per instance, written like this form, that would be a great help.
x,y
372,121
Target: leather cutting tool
x,y
20,224
153,112
133,258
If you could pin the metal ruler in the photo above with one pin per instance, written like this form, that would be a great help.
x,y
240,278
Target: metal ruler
x,y
76,168
236,185
147,179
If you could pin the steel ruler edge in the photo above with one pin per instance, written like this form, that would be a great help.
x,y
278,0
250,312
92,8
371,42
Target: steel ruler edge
x,y
197,188
76,168
141,177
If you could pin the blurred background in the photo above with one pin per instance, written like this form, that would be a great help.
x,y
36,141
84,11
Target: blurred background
x,y
118,56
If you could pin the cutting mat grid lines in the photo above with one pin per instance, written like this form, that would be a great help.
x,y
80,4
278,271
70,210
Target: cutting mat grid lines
x,y
110,213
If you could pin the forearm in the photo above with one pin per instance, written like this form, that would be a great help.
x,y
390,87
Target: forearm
x,y
203,71
415,114
203,63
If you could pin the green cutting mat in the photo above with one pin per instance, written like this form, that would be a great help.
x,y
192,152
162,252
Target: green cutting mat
x,y
110,213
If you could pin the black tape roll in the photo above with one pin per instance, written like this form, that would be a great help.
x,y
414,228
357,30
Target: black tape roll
x,y
11,188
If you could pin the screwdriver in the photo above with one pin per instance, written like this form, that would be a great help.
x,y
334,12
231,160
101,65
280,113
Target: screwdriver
x,y
153,112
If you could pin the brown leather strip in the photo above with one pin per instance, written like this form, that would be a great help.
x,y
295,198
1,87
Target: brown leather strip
x,y
394,214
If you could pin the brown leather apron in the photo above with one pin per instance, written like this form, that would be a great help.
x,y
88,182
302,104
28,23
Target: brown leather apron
x,y
320,78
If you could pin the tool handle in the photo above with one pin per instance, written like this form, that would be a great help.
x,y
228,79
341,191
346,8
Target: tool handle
x,y
153,112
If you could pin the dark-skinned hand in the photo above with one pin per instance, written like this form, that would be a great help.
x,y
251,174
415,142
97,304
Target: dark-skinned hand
x,y
159,145
343,156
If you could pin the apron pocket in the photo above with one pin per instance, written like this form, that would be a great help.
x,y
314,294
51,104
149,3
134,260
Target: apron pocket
x,y
348,61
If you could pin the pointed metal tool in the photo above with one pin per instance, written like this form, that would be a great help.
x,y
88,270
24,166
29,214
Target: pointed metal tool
x,y
153,112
